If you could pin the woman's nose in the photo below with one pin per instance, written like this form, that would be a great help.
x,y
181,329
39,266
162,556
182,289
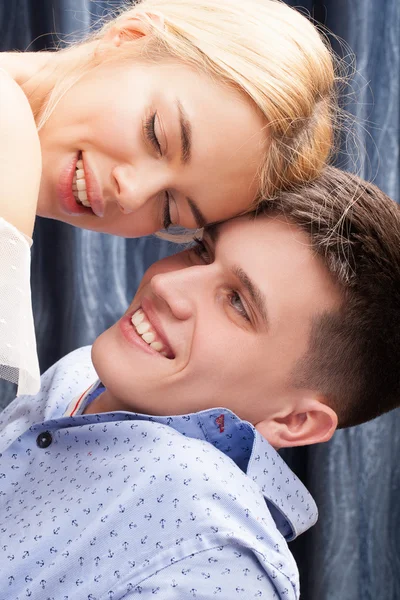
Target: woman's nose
x,y
132,190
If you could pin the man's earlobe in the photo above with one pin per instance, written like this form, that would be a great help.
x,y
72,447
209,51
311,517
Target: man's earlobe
x,y
311,423
132,27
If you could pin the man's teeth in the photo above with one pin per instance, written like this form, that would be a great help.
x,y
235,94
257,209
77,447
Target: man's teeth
x,y
144,329
79,185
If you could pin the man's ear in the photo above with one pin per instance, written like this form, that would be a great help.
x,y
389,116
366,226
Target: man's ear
x,y
311,422
131,27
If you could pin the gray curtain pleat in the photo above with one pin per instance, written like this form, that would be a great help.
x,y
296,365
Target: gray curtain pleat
x,y
83,281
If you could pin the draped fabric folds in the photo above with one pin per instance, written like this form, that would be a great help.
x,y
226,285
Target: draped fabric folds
x,y
83,281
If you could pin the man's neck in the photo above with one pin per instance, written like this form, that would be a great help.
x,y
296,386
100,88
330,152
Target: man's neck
x,y
105,402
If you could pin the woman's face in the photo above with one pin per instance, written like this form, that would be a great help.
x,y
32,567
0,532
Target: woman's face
x,y
160,144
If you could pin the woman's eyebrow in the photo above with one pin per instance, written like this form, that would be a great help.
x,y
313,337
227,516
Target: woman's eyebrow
x,y
186,134
186,151
198,216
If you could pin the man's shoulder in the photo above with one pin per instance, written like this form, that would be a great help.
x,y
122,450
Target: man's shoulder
x,y
189,499
69,373
66,379
205,476
60,384
75,368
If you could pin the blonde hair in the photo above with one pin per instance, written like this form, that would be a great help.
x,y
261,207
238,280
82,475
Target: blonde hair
x,y
264,48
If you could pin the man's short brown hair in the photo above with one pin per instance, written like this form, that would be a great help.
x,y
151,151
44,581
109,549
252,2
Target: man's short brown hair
x,y
354,354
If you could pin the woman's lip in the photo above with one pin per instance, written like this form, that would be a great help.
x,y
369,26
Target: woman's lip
x,y
132,337
92,189
64,190
67,199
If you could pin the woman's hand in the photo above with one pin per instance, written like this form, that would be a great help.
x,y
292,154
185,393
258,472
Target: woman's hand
x,y
20,157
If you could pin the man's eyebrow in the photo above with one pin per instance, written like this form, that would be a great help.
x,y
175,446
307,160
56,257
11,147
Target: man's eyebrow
x,y
198,216
186,134
256,294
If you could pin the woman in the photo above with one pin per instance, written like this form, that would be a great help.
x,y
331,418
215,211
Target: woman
x,y
177,112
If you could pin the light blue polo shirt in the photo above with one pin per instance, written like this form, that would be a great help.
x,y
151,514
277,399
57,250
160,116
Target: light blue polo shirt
x,y
121,505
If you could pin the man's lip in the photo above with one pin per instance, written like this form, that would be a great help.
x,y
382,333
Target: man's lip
x,y
131,335
155,322
93,189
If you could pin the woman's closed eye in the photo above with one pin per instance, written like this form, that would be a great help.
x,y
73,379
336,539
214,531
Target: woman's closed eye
x,y
166,219
151,136
201,251
150,132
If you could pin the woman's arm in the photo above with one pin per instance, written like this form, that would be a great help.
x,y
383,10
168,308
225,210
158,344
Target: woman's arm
x,y
20,172
20,157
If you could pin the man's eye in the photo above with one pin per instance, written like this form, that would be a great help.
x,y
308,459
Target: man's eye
x,y
201,250
149,129
236,302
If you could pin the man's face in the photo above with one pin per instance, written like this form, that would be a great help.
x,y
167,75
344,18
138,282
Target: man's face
x,y
231,322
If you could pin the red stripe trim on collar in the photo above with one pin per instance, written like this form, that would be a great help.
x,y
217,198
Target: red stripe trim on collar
x,y
76,403
73,411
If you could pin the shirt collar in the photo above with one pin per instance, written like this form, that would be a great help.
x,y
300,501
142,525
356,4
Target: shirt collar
x,y
290,503
79,403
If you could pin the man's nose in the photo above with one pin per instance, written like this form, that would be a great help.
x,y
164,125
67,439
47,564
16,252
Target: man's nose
x,y
133,187
180,289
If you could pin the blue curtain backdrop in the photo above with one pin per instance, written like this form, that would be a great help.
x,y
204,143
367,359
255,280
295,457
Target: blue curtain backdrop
x,y
83,281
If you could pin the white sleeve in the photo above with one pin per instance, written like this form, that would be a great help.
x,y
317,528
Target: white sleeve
x,y
18,355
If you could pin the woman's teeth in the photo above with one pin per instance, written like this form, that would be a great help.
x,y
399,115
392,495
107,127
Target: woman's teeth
x,y
146,332
79,185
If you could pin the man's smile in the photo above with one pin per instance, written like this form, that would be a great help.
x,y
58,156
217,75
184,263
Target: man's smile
x,y
149,334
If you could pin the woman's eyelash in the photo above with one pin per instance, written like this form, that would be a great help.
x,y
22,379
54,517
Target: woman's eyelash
x,y
167,222
201,250
149,129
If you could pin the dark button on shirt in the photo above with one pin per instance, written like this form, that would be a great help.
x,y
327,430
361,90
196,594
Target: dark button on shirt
x,y
44,439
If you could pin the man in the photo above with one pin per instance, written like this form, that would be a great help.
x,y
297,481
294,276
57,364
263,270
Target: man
x,y
163,480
